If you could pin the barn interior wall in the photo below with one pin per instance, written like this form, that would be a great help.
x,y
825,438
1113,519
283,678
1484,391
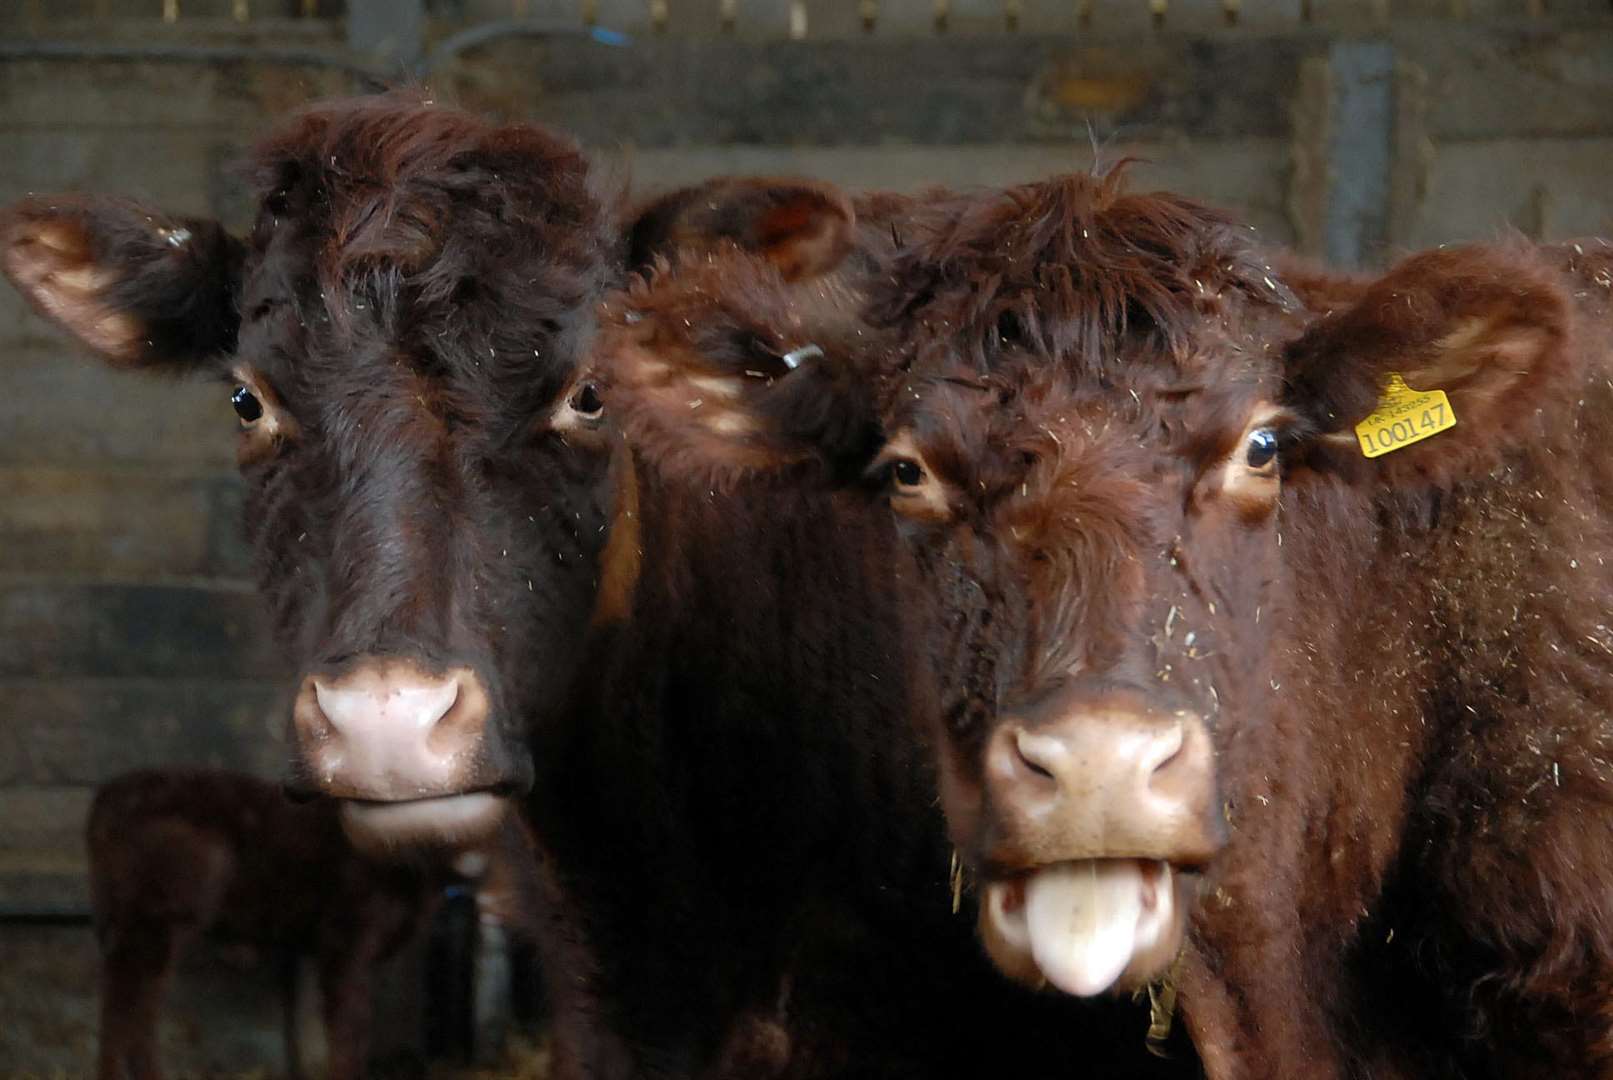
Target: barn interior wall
x,y
129,633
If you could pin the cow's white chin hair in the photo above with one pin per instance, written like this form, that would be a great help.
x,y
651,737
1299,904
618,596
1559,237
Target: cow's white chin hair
x,y
389,828
1084,927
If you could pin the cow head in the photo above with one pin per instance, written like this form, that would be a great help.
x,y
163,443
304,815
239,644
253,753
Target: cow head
x,y
431,477
1103,414
425,485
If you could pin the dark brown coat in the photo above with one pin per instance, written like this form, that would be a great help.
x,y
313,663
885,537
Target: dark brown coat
x,y
1123,455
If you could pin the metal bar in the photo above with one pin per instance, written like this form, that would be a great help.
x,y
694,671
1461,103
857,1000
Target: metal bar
x,y
1360,149
798,20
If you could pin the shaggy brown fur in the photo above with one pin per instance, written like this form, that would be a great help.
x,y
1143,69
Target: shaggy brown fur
x,y
402,322
1403,660
177,854
740,816
735,887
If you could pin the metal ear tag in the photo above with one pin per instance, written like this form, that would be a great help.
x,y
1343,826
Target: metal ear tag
x,y
794,357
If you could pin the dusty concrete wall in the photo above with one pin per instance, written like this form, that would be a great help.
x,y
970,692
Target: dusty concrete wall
x,y
129,634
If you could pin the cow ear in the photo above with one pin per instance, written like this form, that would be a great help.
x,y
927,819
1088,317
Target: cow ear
x,y
808,415
139,287
1488,327
803,227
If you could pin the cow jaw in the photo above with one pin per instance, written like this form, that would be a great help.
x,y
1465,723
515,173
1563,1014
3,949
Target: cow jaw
x,y
1085,926
378,828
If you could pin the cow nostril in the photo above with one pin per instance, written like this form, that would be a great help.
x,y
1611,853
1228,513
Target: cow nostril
x,y
1036,753
1167,749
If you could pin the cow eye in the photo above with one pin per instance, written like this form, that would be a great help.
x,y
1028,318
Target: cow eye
x,y
907,473
587,403
1261,450
247,406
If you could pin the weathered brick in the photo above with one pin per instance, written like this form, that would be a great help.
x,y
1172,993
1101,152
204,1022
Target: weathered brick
x,y
61,732
133,631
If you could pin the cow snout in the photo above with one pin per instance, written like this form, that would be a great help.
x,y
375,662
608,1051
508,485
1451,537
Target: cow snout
x,y
388,730
1098,782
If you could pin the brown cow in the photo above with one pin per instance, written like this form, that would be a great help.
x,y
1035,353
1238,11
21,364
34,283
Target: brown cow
x,y
180,853
400,330
1316,738
440,510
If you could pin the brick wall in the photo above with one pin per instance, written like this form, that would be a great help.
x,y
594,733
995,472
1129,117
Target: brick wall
x,y
129,634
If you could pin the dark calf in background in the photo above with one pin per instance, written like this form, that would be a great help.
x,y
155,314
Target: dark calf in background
x,y
178,854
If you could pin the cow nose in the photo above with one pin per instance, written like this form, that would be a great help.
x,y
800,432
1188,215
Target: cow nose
x,y
1104,783
389,730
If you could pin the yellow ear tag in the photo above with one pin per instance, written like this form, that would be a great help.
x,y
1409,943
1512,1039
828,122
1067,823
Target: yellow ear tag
x,y
1403,416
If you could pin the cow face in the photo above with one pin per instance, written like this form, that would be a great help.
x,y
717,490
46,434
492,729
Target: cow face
x,y
426,476
434,493
1100,418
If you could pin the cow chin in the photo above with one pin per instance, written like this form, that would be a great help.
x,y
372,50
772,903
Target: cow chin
x,y
455,821
1087,926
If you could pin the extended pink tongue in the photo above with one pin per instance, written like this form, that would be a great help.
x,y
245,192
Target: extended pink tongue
x,y
1083,919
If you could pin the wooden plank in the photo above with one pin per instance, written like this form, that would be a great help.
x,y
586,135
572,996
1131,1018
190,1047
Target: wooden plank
x,y
85,731
124,525
862,92
60,630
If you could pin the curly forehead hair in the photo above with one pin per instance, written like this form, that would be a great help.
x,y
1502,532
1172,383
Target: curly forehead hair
x,y
400,191
1067,266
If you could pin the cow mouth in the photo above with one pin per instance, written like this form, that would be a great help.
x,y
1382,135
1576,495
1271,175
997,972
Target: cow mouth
x,y
446,820
1087,926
